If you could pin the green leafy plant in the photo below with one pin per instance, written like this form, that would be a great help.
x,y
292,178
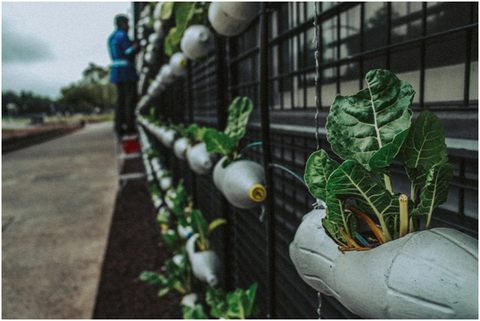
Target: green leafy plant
x,y
226,143
180,203
193,133
186,14
163,216
178,277
156,193
368,131
201,227
239,304
173,241
197,312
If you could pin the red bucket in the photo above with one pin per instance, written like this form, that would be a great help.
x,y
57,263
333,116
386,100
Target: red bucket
x,y
131,146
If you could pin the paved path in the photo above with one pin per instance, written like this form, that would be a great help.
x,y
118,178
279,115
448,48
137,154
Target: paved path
x,y
57,203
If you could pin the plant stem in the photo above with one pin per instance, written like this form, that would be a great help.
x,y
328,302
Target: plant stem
x,y
349,239
388,183
403,200
378,233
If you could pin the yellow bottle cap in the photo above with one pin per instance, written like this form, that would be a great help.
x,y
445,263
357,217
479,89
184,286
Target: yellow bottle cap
x,y
257,193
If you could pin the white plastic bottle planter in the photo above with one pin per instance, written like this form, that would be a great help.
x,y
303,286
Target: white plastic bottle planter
x,y
241,182
166,73
157,11
177,259
158,132
189,300
156,164
178,63
158,28
204,264
184,232
241,10
180,148
157,201
153,40
199,159
232,18
168,198
432,274
197,42
168,137
166,183
150,57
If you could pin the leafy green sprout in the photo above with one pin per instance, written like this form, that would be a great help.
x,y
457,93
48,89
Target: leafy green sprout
x,y
368,131
201,227
226,143
174,242
239,304
176,277
181,203
193,133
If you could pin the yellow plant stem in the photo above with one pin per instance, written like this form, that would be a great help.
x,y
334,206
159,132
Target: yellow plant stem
x,y
403,200
388,183
377,231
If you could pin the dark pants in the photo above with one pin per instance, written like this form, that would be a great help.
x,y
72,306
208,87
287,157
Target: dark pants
x,y
125,112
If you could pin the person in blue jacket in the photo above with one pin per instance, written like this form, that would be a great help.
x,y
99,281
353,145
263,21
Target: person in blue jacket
x,y
123,74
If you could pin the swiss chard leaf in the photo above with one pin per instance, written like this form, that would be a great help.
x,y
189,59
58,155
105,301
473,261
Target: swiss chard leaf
x,y
238,114
351,181
216,298
152,278
335,213
381,160
424,147
199,223
360,125
435,191
197,312
218,142
174,242
318,169
234,305
166,10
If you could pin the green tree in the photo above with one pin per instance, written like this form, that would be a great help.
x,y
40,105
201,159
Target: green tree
x,y
94,90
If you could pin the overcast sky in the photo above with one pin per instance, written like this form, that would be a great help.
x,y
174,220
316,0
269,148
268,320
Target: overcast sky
x,y
47,45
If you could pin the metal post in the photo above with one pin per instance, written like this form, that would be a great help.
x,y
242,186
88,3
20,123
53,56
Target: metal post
x,y
267,160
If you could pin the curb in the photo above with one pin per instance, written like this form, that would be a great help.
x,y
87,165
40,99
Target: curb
x,y
15,143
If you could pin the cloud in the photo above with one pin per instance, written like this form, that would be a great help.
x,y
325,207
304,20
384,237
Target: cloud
x,y
20,47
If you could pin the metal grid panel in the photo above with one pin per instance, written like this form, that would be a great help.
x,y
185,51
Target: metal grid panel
x,y
408,39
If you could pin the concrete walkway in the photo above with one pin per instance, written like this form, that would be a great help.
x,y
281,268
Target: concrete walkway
x,y
57,203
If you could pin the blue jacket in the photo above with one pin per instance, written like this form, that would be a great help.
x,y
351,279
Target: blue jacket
x,y
122,54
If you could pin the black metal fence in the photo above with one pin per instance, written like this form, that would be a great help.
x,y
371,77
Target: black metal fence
x,y
431,45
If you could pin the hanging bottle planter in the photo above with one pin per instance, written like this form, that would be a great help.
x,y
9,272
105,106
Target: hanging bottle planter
x,y
431,274
197,42
184,231
204,264
232,18
241,182
168,137
178,63
180,148
166,183
199,160
393,267
189,300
